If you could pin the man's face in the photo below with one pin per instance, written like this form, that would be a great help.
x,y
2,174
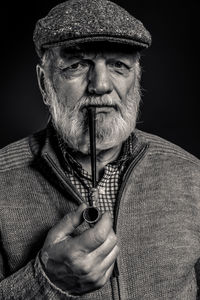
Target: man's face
x,y
102,78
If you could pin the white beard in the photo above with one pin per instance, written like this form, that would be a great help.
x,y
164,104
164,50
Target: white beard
x,y
72,124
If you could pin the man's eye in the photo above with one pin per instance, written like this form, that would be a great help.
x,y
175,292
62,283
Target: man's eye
x,y
119,66
74,66
78,66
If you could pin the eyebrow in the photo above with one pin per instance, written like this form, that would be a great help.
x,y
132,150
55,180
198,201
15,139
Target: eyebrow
x,y
77,55
82,54
68,56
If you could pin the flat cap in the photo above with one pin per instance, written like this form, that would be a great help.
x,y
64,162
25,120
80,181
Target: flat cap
x,y
81,21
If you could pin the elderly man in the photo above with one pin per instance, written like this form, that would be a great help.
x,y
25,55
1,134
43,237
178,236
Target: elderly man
x,y
146,244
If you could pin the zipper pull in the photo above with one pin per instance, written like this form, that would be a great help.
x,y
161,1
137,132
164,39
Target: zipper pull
x,y
94,197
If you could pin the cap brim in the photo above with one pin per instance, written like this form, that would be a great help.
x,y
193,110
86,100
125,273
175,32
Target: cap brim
x,y
137,45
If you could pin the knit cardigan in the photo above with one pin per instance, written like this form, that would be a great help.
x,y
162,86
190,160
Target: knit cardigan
x,y
157,221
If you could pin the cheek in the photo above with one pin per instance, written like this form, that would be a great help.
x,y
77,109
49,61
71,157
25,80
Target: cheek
x,y
124,85
70,91
130,90
125,88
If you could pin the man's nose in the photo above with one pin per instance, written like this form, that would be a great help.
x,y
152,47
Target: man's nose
x,y
99,80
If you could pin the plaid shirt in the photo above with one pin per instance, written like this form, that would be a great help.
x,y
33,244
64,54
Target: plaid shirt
x,y
108,185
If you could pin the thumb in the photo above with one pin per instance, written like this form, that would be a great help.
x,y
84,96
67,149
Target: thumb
x,y
65,226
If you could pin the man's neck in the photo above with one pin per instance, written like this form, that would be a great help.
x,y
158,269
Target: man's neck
x,y
103,157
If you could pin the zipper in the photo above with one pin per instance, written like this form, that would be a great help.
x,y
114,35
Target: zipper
x,y
75,194
79,198
126,175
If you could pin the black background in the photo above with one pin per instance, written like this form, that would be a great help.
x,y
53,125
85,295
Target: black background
x,y
170,71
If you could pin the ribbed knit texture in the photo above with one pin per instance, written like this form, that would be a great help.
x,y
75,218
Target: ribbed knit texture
x,y
158,225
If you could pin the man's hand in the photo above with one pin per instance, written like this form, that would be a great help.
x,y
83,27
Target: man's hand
x,y
83,263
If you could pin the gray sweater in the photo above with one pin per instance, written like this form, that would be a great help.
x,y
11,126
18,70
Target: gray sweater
x,y
157,221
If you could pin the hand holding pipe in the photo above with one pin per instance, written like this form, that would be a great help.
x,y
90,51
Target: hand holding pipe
x,y
92,214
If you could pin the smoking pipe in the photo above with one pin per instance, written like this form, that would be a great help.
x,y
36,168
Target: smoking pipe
x,y
92,214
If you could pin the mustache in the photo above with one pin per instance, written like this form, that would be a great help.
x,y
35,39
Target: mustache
x,y
97,101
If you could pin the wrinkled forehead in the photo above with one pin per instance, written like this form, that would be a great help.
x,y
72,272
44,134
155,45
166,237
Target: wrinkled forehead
x,y
92,50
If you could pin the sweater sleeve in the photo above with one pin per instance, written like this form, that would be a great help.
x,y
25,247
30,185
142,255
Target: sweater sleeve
x,y
30,282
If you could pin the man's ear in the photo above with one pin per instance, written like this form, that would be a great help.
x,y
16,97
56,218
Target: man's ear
x,y
41,80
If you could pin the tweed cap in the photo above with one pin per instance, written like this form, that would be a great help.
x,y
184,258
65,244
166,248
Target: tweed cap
x,y
81,21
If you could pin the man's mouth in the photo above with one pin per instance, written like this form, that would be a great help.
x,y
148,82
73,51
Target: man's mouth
x,y
103,108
